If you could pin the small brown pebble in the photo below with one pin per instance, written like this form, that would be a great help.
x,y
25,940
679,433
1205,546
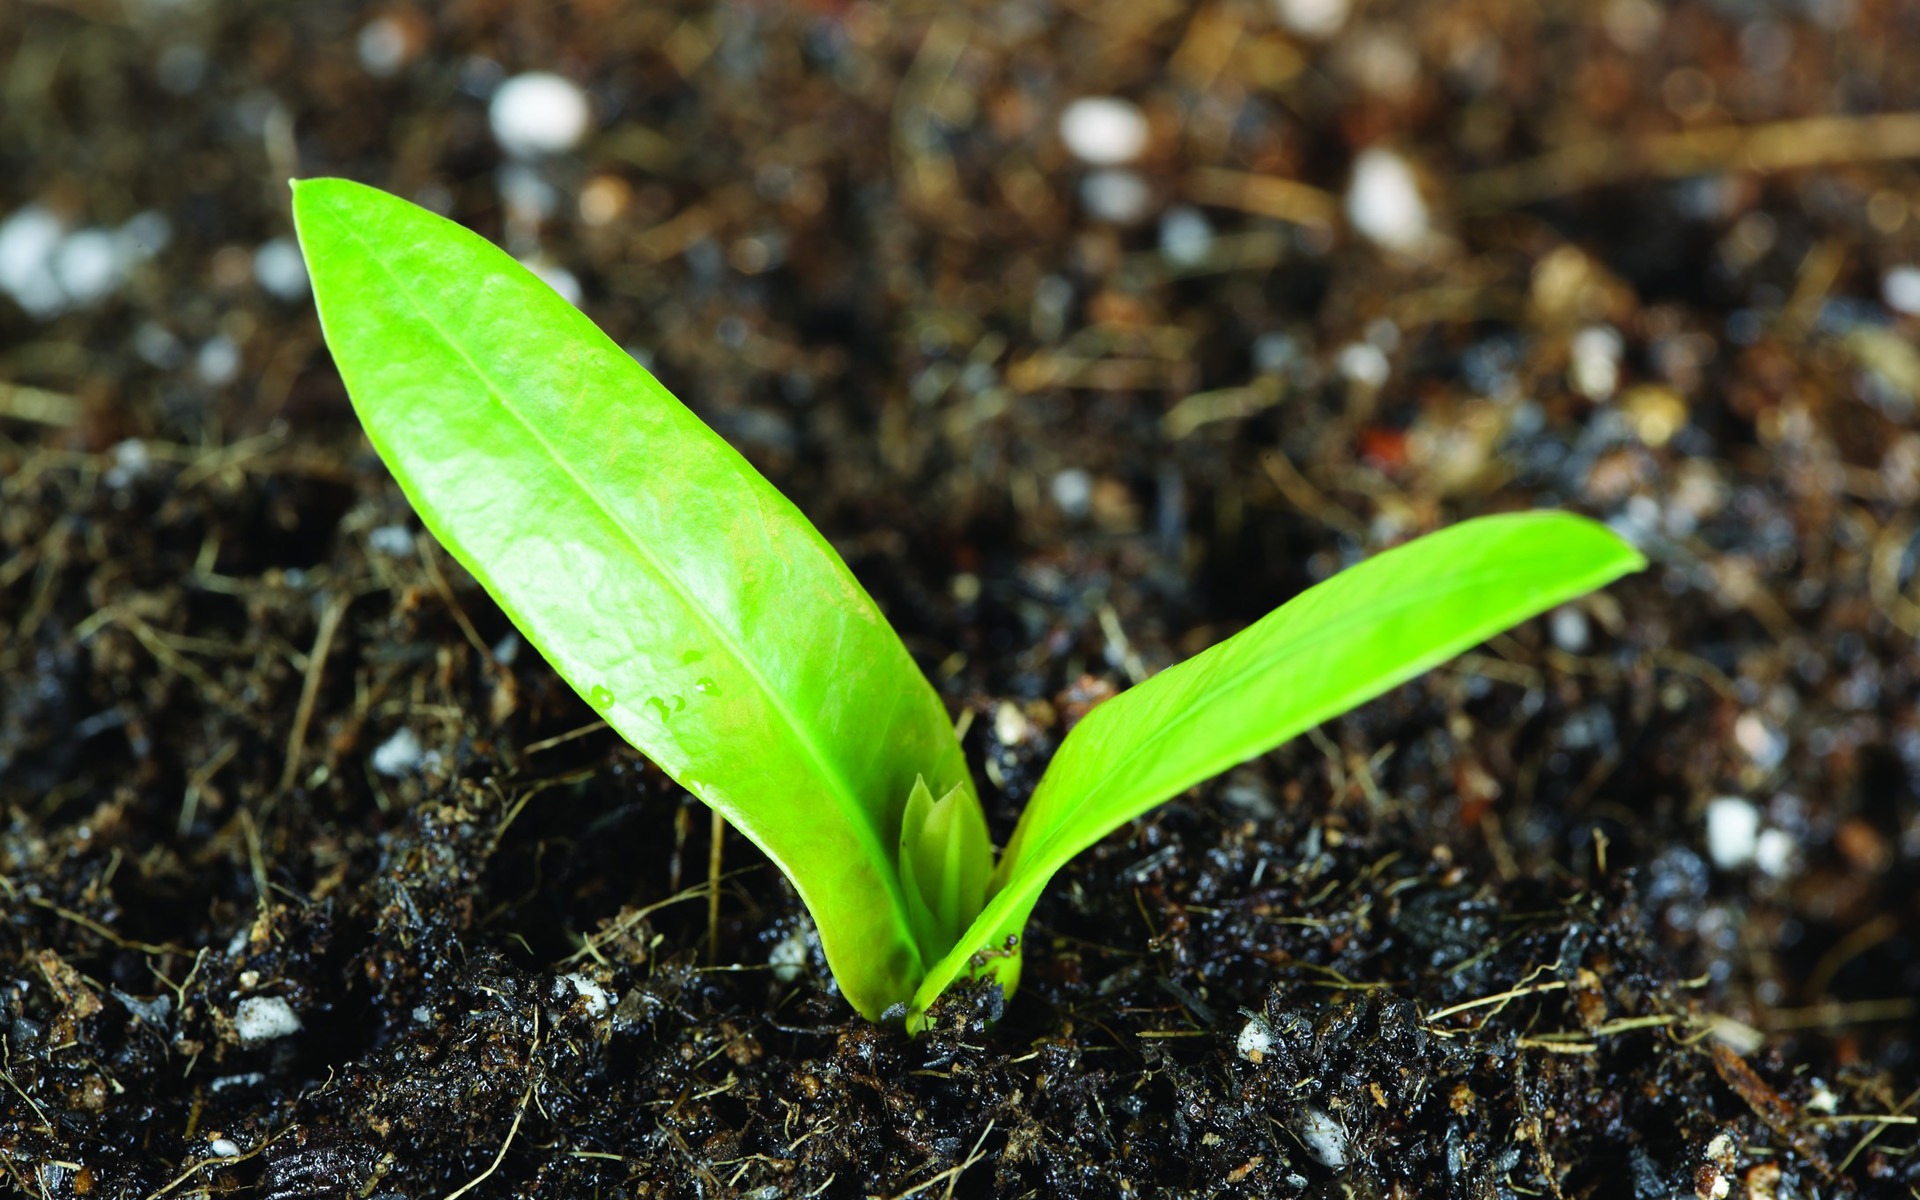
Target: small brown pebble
x,y
744,1051
1863,846
1589,998
1654,413
90,1095
1710,1184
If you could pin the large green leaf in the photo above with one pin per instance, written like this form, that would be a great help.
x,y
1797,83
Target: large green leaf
x,y
670,584
1336,645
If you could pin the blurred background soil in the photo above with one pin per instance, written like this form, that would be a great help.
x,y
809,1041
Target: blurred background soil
x,y
1088,331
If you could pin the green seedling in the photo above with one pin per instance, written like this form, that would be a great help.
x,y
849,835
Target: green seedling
x,y
708,622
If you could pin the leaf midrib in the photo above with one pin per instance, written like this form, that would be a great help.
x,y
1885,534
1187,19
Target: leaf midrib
x,y
831,774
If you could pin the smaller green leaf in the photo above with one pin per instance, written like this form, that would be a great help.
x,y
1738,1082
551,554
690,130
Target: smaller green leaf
x,y
1334,646
945,860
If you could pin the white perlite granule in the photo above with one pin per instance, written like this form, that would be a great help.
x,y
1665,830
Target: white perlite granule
x,y
264,1018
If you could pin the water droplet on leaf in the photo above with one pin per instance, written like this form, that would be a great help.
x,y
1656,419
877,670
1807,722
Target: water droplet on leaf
x,y
705,686
600,697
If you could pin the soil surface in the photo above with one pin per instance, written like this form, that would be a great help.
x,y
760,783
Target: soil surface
x,y
316,882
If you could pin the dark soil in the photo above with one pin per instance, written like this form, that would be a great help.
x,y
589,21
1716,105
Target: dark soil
x,y
1471,941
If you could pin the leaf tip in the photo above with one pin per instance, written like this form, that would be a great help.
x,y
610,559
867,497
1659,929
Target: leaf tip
x,y
1628,557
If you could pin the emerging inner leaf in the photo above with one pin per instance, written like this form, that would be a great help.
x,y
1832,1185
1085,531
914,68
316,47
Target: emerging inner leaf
x,y
945,859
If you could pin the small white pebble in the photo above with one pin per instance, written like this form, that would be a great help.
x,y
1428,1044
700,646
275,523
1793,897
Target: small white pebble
x,y
598,1001
28,240
1633,25
144,235
1312,18
1010,725
423,1014
1104,131
1255,1041
507,648
263,1018
1901,290
1773,853
1384,202
88,266
1644,513
1275,352
156,344
1595,371
1186,239
218,361
395,541
789,956
382,46
180,68
131,460
1324,1138
538,113
1824,1099
224,1148
1073,491
279,269
1252,799
1766,746
1733,829
1052,296
1364,364
529,198
1121,197
398,754
40,296
1383,62
1717,1186
1569,626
